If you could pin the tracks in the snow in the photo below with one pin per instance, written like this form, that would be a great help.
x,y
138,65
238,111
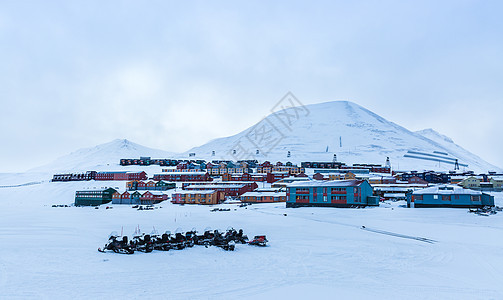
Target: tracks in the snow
x,y
404,236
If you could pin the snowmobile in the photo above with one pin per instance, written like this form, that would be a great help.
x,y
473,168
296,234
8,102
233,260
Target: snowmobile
x,y
178,242
236,236
206,239
117,246
142,243
220,241
190,237
258,240
162,242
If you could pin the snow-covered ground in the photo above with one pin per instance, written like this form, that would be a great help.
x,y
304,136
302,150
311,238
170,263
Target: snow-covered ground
x,y
314,253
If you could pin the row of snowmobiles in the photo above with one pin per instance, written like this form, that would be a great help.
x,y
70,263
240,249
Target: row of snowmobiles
x,y
167,241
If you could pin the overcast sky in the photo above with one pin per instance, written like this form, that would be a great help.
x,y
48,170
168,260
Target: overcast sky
x,y
80,73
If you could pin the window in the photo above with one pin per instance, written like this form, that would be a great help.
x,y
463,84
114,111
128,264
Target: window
x,y
325,198
435,197
446,198
476,198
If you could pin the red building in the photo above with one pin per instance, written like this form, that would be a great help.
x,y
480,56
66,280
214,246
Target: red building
x,y
236,189
319,176
276,176
244,177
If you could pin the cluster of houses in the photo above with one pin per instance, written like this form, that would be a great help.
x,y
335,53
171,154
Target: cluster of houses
x,y
333,184
103,176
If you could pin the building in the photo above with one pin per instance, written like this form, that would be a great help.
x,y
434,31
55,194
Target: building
x,y
344,193
283,183
147,161
428,176
232,190
139,197
89,175
291,170
471,182
497,182
160,185
93,197
416,180
217,170
321,165
112,176
456,179
259,177
263,197
197,197
319,176
183,176
273,177
448,196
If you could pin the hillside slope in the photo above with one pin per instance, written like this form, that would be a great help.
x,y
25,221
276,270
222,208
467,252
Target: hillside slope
x,y
102,157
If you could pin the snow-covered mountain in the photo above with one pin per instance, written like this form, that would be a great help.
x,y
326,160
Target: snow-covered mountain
x,y
313,132
353,133
102,157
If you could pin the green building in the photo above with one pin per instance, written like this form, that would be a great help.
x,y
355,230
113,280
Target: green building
x,y
93,197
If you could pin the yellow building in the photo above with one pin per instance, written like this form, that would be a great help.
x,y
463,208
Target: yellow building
x,y
470,182
349,175
335,176
497,181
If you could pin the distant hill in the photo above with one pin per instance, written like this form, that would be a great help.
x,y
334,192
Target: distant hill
x,y
101,157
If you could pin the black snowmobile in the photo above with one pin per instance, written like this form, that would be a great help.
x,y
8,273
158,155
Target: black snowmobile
x,y
117,246
142,243
225,243
162,242
236,236
205,239
178,242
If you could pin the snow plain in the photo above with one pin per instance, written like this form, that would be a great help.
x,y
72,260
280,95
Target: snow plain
x,y
322,253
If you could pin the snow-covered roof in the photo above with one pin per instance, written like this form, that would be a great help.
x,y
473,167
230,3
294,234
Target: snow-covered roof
x,y
264,194
183,173
446,190
393,189
459,177
394,195
215,186
328,183
195,192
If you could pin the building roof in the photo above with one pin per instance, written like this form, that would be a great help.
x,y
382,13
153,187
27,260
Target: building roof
x,y
215,186
264,194
195,192
183,173
328,183
446,189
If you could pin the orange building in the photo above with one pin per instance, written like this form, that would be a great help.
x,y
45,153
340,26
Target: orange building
x,y
197,197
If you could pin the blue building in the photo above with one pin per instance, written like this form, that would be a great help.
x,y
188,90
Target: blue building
x,y
335,193
448,196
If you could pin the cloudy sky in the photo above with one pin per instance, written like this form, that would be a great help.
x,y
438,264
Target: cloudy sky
x,y
79,73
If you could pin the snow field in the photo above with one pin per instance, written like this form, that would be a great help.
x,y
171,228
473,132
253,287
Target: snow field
x,y
319,253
